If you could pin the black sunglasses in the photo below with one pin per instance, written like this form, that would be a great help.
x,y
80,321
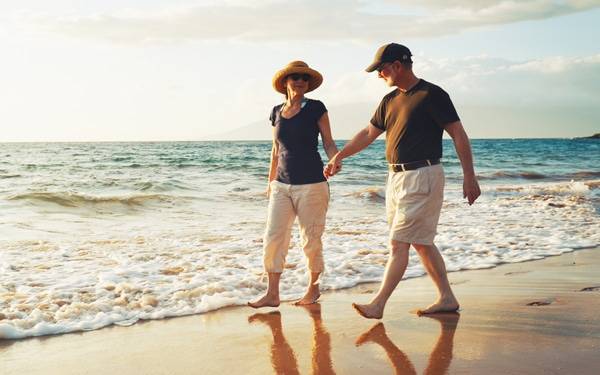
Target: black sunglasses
x,y
297,76
381,67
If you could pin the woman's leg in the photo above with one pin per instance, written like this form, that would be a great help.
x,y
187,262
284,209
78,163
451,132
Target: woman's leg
x,y
271,297
311,202
276,242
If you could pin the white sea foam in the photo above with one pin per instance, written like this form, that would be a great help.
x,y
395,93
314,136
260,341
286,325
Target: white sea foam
x,y
122,271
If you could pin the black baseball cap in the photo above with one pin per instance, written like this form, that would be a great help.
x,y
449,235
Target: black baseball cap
x,y
389,53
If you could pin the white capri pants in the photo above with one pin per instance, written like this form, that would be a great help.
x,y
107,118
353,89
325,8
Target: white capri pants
x,y
308,202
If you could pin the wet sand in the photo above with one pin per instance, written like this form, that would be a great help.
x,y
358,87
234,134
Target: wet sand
x,y
536,317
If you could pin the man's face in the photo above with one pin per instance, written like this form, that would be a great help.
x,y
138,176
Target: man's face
x,y
388,72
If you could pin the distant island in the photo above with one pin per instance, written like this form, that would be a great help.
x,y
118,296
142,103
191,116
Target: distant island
x,y
595,136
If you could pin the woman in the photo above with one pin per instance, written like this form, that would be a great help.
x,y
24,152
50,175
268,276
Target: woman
x,y
297,186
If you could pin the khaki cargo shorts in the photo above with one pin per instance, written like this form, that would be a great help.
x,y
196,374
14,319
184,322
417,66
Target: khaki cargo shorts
x,y
413,202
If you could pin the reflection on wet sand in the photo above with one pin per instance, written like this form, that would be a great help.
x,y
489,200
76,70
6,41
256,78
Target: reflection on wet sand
x,y
283,358
321,348
440,357
282,354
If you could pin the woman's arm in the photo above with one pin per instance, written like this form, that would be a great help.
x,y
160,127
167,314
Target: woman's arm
x,y
273,163
328,142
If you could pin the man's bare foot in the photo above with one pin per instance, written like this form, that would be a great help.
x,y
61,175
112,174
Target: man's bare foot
x,y
375,334
441,306
266,301
311,296
370,311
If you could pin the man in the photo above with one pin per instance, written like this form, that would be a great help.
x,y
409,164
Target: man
x,y
414,117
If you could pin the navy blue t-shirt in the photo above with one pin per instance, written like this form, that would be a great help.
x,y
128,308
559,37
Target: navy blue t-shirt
x,y
299,161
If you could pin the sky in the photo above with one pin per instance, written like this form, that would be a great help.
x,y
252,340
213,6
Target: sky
x,y
183,70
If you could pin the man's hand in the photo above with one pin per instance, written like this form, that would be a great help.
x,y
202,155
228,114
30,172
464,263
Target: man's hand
x,y
471,189
333,167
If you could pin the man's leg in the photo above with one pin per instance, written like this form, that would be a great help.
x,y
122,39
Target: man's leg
x,y
434,264
394,270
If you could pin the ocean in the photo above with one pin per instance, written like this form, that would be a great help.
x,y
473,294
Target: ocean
x,y
94,234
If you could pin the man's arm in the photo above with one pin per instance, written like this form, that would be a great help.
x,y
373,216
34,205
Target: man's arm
x,y
462,145
361,140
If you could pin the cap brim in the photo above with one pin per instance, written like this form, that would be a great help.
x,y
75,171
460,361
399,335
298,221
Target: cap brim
x,y
373,67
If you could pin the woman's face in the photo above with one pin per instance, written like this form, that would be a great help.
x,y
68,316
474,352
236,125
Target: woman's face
x,y
297,83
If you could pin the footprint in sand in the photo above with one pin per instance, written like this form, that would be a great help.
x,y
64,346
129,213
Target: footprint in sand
x,y
541,303
515,273
590,289
458,282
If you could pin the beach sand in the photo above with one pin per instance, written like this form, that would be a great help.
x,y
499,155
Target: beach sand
x,y
526,318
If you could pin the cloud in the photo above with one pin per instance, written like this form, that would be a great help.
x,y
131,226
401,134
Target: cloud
x,y
334,20
549,97
483,80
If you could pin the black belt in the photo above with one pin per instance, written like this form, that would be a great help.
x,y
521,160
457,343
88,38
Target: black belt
x,y
402,167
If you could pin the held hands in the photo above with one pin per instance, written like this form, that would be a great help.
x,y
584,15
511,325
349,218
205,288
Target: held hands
x,y
333,167
471,189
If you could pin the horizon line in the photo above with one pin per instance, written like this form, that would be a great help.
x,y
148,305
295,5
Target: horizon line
x,y
270,139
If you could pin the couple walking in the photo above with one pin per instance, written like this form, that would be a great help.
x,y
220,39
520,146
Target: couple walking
x,y
414,117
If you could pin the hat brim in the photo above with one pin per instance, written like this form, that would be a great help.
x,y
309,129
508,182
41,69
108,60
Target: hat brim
x,y
279,79
371,68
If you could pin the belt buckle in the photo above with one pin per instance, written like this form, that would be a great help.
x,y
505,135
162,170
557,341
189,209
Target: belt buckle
x,y
398,167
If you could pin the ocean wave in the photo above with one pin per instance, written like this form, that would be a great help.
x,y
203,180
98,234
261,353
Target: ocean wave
x,y
371,194
500,175
160,186
569,188
122,158
6,176
503,175
71,199
585,174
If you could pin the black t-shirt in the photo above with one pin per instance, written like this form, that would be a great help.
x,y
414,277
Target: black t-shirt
x,y
414,122
299,161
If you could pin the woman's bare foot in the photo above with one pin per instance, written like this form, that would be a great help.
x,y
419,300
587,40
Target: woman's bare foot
x,y
370,311
266,301
441,306
311,296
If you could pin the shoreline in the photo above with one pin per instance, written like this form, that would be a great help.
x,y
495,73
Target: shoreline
x,y
496,331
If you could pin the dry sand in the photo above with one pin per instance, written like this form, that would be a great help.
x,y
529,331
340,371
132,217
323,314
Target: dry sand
x,y
526,318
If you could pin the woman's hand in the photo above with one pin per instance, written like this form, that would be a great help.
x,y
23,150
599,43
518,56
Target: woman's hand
x,y
333,167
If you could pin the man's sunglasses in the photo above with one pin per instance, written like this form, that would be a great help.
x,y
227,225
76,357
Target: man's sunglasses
x,y
381,67
297,77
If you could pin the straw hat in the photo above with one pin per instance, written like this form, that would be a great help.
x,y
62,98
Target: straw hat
x,y
299,67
